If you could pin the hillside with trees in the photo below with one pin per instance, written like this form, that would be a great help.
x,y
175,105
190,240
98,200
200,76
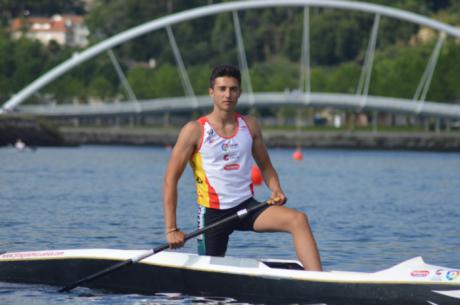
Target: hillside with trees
x,y
273,44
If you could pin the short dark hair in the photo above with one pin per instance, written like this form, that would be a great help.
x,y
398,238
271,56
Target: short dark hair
x,y
224,70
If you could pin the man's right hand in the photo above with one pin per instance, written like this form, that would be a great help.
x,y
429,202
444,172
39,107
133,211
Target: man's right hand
x,y
175,239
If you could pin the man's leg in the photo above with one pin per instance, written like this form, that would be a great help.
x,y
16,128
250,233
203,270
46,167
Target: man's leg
x,y
283,219
213,242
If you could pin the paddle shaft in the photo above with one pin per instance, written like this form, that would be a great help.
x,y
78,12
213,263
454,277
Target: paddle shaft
x,y
240,214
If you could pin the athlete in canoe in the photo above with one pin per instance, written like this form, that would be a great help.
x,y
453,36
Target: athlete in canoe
x,y
220,148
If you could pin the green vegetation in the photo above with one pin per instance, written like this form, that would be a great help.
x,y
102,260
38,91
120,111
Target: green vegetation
x,y
273,42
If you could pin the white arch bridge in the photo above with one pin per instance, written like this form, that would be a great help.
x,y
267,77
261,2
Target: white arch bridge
x,y
361,100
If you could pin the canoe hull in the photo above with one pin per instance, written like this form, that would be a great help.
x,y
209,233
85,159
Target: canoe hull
x,y
214,280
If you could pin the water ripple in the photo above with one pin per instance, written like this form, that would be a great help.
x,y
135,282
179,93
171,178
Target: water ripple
x,y
368,210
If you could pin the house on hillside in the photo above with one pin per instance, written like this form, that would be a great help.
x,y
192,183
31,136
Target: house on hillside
x,y
64,29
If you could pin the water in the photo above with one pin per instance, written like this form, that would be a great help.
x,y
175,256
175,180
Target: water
x,y
368,209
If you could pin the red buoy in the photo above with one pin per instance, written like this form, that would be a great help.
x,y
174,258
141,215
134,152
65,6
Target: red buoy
x,y
297,155
256,175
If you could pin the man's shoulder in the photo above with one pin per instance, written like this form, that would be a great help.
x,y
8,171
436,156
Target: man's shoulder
x,y
250,120
191,131
252,124
192,126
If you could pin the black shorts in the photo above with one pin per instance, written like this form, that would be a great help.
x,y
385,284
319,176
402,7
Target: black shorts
x,y
214,242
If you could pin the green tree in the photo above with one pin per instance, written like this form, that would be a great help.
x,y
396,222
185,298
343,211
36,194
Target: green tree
x,y
101,88
344,78
273,36
397,72
277,75
30,58
444,86
166,82
140,80
114,16
338,36
199,77
223,41
67,90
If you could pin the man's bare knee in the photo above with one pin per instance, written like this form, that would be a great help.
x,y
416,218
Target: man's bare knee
x,y
299,220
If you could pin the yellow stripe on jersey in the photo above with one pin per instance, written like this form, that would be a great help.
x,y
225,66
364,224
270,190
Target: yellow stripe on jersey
x,y
206,194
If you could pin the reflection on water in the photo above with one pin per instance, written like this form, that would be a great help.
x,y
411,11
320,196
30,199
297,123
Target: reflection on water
x,y
11,293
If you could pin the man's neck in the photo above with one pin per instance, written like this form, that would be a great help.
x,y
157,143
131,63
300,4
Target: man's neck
x,y
222,117
223,122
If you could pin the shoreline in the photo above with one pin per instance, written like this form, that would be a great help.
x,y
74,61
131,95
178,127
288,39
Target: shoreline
x,y
30,132
424,141
37,133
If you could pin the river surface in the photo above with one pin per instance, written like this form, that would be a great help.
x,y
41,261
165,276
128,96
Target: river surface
x,y
369,210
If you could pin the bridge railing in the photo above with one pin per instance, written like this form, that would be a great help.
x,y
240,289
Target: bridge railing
x,y
262,99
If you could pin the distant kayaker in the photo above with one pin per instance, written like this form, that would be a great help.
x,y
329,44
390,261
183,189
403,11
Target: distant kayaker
x,y
20,145
220,148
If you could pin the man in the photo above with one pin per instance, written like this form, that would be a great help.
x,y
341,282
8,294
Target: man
x,y
220,147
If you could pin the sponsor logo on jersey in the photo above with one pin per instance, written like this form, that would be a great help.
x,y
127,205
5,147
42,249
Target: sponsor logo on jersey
x,y
231,167
210,137
229,146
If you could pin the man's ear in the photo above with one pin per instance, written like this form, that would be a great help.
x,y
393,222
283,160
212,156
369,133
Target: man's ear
x,y
210,91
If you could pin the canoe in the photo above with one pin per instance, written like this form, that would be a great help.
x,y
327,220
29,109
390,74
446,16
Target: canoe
x,y
244,279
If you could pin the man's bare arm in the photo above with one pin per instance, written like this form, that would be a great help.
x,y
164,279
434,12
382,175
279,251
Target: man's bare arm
x,y
186,144
260,154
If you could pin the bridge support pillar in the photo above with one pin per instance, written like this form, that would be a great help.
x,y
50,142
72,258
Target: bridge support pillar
x,y
350,120
166,119
75,122
133,120
375,121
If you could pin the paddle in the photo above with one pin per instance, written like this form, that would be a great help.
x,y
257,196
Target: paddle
x,y
240,214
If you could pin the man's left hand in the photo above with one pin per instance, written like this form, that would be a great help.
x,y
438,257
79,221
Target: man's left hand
x,y
277,198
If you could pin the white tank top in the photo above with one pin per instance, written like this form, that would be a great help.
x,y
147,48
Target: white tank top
x,y
222,166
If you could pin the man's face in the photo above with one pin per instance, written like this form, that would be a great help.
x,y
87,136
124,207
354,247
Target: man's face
x,y
225,93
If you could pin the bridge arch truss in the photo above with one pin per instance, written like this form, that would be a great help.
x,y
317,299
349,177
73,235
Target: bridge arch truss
x,y
360,100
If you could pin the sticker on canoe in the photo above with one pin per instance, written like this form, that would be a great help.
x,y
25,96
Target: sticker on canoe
x,y
420,273
32,254
452,275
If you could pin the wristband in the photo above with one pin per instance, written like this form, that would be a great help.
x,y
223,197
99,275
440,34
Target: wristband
x,y
171,230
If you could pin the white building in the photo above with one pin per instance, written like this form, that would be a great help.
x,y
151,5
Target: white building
x,y
64,29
